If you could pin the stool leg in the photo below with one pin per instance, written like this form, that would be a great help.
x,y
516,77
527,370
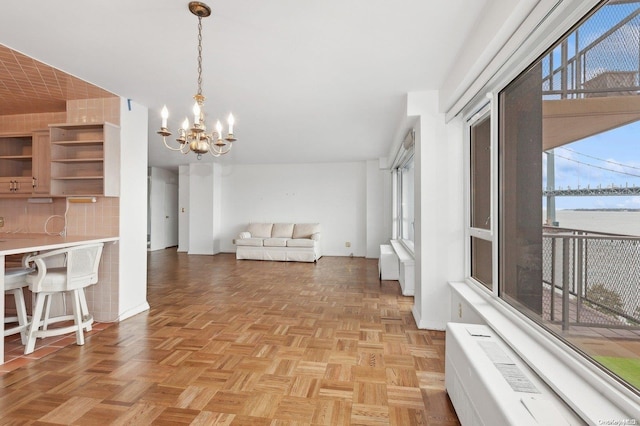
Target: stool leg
x,y
21,309
36,320
85,309
47,312
77,317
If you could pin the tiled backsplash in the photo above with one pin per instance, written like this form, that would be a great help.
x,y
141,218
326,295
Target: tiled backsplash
x,y
99,218
86,219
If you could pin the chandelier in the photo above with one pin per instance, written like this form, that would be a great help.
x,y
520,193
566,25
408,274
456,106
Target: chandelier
x,y
196,139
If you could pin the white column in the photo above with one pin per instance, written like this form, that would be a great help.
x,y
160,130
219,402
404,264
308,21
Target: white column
x,y
132,247
204,208
439,189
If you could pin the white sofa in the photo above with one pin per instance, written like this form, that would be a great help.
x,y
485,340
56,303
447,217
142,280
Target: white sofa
x,y
297,242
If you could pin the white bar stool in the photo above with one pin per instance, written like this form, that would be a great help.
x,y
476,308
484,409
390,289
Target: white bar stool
x,y
63,271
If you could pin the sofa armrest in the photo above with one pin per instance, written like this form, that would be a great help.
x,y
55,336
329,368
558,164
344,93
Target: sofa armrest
x,y
315,236
244,235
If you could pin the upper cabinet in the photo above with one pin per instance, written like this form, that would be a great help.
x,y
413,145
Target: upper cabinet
x,y
85,159
41,162
16,164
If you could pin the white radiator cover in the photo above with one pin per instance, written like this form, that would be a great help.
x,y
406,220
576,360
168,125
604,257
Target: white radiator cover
x,y
489,384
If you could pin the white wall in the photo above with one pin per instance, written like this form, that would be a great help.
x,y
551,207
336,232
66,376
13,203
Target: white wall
x,y
132,294
378,206
332,194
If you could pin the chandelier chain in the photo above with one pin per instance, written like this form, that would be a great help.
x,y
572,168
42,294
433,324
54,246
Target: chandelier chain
x,y
199,55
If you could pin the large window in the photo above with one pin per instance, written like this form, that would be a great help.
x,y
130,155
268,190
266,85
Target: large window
x,y
569,190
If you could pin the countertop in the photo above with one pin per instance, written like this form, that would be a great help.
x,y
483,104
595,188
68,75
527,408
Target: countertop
x,y
21,242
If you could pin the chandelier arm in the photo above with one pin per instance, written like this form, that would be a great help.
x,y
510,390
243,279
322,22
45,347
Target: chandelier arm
x,y
221,151
164,139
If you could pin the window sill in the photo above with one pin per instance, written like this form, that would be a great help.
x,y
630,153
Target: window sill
x,y
408,245
593,395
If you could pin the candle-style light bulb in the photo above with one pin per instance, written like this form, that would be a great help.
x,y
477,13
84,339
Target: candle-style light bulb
x,y
219,129
164,114
231,122
196,113
185,124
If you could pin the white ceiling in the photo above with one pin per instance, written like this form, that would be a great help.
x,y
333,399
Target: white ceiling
x,y
307,80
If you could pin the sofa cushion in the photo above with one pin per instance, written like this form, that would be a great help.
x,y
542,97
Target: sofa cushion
x,y
275,242
300,242
282,230
260,230
304,230
254,242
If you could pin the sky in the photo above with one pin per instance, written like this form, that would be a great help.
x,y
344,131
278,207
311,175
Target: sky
x,y
609,158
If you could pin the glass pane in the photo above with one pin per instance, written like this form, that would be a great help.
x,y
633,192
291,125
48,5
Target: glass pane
x,y
481,260
481,174
521,180
573,139
407,205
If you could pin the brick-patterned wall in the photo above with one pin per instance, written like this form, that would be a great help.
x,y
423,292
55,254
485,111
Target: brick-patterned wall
x,y
26,123
94,111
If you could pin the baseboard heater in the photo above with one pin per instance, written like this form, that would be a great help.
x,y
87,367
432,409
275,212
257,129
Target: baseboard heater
x,y
489,384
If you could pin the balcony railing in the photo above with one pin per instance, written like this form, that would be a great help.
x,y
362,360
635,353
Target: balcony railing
x,y
591,279
582,67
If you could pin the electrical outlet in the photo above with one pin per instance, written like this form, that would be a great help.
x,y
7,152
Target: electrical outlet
x,y
347,244
1,222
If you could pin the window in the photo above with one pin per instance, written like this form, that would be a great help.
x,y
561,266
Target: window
x,y
568,126
480,200
404,192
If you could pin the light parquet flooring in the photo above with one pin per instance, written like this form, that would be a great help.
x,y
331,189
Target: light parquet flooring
x,y
246,343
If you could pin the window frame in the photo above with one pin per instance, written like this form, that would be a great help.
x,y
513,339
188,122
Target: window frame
x,y
404,157
583,383
484,109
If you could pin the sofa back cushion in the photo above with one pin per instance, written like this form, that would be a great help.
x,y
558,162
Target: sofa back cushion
x,y
304,230
282,230
260,230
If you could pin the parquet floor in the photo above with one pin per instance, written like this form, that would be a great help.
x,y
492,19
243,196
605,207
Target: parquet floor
x,y
245,343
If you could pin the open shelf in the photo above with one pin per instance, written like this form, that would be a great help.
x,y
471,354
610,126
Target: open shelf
x,y
85,159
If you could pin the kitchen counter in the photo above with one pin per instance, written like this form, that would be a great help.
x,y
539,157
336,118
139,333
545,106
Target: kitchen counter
x,y
24,243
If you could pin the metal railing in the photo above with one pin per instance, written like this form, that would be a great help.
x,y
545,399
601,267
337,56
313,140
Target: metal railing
x,y
591,279
582,66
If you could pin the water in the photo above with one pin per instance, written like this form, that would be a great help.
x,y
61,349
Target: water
x,y
615,222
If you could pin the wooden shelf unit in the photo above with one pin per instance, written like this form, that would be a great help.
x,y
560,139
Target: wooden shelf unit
x,y
85,159
16,163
